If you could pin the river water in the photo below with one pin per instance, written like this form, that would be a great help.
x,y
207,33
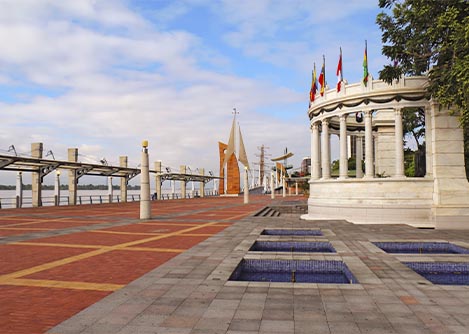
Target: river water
x,y
8,197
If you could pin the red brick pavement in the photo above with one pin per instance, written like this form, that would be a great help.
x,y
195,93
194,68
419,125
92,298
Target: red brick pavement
x,y
46,280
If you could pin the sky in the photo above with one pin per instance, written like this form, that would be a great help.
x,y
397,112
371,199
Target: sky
x,y
103,75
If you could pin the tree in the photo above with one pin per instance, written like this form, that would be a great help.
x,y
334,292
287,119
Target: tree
x,y
413,121
429,37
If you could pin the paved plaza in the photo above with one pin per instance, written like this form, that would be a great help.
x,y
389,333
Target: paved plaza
x,y
98,269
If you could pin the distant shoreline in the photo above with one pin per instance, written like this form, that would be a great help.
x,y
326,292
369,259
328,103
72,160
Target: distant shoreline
x,y
65,187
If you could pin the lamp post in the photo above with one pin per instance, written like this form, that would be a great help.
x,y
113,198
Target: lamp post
x,y
246,186
272,189
145,208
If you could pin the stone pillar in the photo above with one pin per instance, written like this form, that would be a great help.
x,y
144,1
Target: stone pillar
x,y
296,188
325,151
272,189
428,143
19,190
343,162
36,182
369,167
315,152
359,156
57,189
284,186
398,135
123,162
215,187
72,177
451,189
246,186
173,189
158,180
182,170
110,191
202,184
145,204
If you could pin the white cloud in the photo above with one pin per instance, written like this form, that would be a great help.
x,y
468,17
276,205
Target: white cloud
x,y
117,78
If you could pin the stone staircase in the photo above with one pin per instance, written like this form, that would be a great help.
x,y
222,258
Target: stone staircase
x,y
277,210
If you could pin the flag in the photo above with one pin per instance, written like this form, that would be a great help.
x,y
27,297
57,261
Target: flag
x,y
365,66
243,158
322,76
314,86
339,72
231,144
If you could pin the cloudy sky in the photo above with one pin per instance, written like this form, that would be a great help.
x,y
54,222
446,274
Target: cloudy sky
x,y
102,75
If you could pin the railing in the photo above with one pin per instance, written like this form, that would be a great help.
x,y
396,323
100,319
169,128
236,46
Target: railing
x,y
27,202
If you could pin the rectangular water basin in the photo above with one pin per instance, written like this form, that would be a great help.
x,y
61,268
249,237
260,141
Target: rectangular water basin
x,y
421,247
292,246
300,232
299,271
446,273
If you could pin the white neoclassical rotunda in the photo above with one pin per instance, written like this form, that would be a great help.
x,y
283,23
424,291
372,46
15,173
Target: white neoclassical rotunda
x,y
370,118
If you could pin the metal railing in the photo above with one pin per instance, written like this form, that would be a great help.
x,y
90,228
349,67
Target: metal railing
x,y
27,202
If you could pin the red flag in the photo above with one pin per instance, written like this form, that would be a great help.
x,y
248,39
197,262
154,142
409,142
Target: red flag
x,y
365,65
339,72
322,76
314,86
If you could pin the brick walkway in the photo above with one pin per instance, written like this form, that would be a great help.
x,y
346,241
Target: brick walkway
x,y
56,261
192,293
49,275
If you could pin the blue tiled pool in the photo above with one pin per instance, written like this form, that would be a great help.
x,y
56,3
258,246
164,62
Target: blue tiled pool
x,y
447,273
292,246
300,271
291,232
421,247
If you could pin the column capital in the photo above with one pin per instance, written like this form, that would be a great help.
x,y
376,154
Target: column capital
x,y
315,125
325,122
343,117
398,111
367,113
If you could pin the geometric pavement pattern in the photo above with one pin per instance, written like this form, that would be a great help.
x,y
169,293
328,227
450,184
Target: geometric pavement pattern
x,y
56,261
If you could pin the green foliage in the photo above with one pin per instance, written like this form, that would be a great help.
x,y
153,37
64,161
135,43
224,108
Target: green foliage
x,y
429,37
413,122
466,149
409,163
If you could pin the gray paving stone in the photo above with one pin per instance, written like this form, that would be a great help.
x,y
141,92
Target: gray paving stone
x,y
277,326
191,294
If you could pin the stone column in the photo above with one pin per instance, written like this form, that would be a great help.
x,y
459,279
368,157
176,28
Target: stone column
x,y
182,170
72,177
325,151
398,135
202,184
57,188
110,190
369,167
315,152
158,179
343,162
173,189
284,186
145,204
272,189
359,156
246,186
123,162
19,190
428,143
36,183
296,188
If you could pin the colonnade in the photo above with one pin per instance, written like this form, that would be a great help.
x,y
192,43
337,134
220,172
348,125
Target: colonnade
x,y
321,147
